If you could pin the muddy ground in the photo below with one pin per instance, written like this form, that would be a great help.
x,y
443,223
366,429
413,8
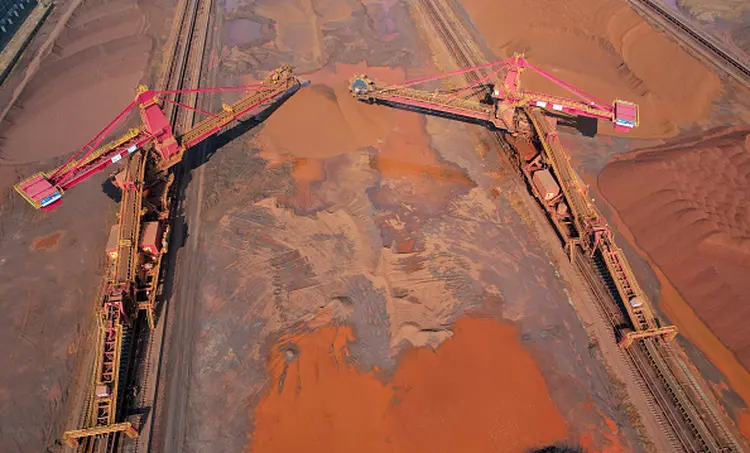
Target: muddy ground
x,y
339,243
392,226
51,264
682,195
729,20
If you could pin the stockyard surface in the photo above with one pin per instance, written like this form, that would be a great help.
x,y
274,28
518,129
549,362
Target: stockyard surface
x,y
357,277
79,71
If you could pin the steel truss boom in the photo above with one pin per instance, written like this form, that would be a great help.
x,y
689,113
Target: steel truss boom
x,y
139,241
504,99
510,108
45,190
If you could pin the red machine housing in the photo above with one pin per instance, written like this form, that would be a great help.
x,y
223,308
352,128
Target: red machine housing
x,y
45,190
151,234
507,96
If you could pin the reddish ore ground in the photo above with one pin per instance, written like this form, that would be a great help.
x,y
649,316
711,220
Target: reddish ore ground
x,y
394,226
480,391
387,222
52,264
689,216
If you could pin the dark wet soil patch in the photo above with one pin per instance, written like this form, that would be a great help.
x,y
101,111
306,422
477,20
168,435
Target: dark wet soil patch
x,y
48,242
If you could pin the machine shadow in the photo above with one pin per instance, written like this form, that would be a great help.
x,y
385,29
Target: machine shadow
x,y
426,111
213,144
195,158
588,127
110,190
180,235
556,449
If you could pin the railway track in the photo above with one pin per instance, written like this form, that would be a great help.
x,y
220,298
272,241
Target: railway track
x,y
661,372
463,51
681,408
182,64
733,65
182,72
640,366
186,61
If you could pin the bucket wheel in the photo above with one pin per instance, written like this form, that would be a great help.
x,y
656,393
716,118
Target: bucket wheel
x,y
360,86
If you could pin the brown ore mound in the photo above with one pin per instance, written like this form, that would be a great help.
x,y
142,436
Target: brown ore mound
x,y
605,48
687,206
91,74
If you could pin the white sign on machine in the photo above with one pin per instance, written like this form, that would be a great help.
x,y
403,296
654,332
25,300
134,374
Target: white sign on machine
x,y
118,157
543,105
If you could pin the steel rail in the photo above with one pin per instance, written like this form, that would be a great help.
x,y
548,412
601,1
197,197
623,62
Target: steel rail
x,y
675,411
740,69
181,41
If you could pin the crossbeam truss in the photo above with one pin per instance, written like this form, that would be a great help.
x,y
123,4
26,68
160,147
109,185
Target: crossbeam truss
x,y
73,438
45,190
133,274
504,77
597,237
506,107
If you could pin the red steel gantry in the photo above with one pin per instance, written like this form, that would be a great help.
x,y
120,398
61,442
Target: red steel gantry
x,y
139,241
45,190
543,162
506,97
